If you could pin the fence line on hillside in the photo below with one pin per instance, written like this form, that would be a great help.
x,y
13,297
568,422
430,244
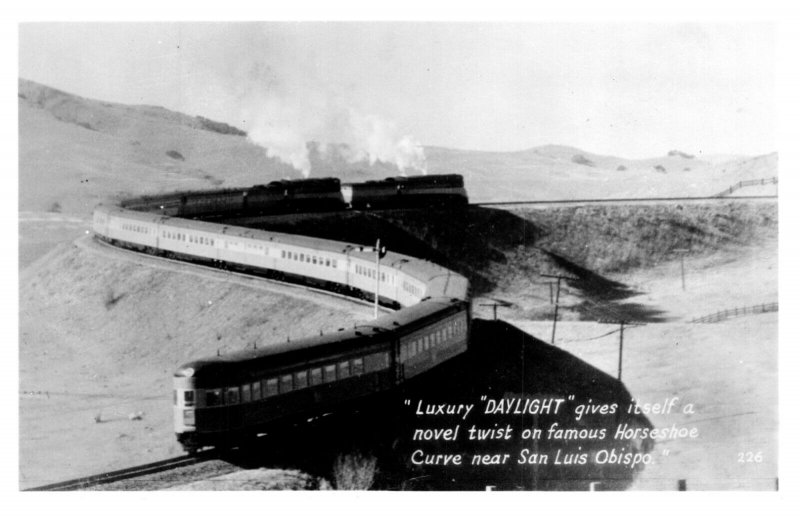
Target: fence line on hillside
x,y
739,311
684,485
748,183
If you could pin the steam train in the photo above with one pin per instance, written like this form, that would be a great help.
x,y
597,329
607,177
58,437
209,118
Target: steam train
x,y
309,195
225,399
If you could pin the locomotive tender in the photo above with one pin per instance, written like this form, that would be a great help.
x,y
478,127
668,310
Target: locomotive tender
x,y
225,399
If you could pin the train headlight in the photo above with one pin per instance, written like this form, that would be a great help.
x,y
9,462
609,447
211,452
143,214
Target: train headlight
x,y
188,417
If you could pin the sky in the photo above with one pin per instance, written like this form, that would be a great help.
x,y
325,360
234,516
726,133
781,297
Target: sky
x,y
633,90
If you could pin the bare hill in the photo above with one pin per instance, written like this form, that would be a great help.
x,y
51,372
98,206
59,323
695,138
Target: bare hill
x,y
76,152
100,333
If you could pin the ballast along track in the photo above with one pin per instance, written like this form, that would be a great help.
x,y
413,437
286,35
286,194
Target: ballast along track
x,y
630,200
124,474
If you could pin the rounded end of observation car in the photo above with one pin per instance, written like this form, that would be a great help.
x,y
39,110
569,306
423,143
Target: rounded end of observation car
x,y
185,371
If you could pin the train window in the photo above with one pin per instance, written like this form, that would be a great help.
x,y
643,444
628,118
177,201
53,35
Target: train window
x,y
301,379
301,257
213,397
283,253
271,388
286,383
358,366
404,353
255,389
246,393
333,261
316,376
329,373
383,277
343,370
174,397
188,398
313,260
232,395
327,262
375,362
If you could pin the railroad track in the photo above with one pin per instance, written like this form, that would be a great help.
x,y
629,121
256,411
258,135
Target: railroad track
x,y
120,475
635,200
227,272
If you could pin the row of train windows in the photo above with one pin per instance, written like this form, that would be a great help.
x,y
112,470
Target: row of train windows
x,y
305,257
255,247
453,328
174,236
134,228
369,272
286,383
194,239
410,288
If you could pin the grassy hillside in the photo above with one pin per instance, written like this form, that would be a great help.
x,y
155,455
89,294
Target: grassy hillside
x,y
504,253
100,333
76,152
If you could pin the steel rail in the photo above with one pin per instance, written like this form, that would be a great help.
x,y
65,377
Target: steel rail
x,y
621,200
123,474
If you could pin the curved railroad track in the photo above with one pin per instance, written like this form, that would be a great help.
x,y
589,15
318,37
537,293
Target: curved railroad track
x,y
629,200
184,461
123,474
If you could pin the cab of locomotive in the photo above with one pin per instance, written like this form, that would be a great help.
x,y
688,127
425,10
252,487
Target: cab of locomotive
x,y
184,399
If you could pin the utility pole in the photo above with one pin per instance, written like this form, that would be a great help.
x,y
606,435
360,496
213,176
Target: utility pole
x,y
494,305
682,253
377,274
622,324
558,292
619,366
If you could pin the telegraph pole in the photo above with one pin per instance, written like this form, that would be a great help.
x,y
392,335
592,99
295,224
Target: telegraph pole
x,y
682,253
558,292
622,324
619,366
377,274
494,305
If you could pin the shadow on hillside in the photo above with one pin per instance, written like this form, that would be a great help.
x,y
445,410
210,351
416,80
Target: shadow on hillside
x,y
488,246
502,362
604,295
476,242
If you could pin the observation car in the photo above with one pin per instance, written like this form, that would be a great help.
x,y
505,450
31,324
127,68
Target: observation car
x,y
222,399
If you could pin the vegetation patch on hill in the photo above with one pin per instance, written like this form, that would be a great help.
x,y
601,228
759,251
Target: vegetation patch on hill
x,y
505,253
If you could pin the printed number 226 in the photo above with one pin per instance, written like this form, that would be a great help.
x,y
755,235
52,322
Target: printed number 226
x,y
750,457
